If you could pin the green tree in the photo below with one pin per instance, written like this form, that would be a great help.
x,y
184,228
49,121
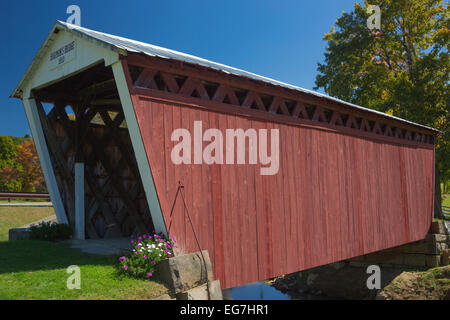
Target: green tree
x,y
25,174
7,151
401,69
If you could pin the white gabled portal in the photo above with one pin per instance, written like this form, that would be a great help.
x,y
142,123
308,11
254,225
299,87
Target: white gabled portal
x,y
44,157
139,150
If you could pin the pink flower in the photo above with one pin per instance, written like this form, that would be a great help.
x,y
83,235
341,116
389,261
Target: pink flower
x,y
122,258
145,257
132,241
125,267
149,274
153,263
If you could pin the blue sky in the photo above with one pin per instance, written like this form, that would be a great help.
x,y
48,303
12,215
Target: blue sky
x,y
277,39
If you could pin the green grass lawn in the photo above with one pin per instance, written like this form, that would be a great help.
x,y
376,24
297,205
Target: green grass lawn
x,y
37,269
446,201
14,217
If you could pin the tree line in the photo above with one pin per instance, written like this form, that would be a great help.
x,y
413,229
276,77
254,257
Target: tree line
x,y
20,170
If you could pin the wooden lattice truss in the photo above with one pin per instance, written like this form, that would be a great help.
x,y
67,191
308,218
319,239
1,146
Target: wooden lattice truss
x,y
97,135
175,80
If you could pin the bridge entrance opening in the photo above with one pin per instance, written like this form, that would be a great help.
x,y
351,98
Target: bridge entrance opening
x,y
83,123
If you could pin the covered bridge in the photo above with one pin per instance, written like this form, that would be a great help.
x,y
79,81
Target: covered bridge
x,y
104,112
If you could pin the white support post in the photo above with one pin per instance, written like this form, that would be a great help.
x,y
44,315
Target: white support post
x,y
44,157
139,149
79,201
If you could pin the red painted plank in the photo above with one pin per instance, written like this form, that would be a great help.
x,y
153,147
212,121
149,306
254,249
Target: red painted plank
x,y
335,196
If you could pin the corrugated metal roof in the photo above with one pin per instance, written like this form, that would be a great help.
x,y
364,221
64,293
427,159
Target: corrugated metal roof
x,y
119,43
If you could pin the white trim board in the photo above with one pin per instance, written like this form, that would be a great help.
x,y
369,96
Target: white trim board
x,y
139,149
44,158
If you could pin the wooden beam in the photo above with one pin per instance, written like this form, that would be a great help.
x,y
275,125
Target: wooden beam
x,y
319,115
79,201
300,109
336,119
97,88
105,102
253,97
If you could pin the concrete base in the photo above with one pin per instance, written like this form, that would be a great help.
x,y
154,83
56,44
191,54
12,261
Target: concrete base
x,y
19,234
189,277
201,292
185,272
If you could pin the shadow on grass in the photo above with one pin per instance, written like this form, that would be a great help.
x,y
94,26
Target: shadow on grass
x,y
32,255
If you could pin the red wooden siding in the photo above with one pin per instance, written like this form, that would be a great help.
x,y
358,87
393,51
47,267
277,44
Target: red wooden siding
x,y
335,196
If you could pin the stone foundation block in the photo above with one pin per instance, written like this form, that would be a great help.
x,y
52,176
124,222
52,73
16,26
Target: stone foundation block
x,y
438,227
201,292
19,234
435,238
446,257
185,272
433,260
425,247
447,227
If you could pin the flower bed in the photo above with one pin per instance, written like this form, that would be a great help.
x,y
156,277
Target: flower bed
x,y
148,251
